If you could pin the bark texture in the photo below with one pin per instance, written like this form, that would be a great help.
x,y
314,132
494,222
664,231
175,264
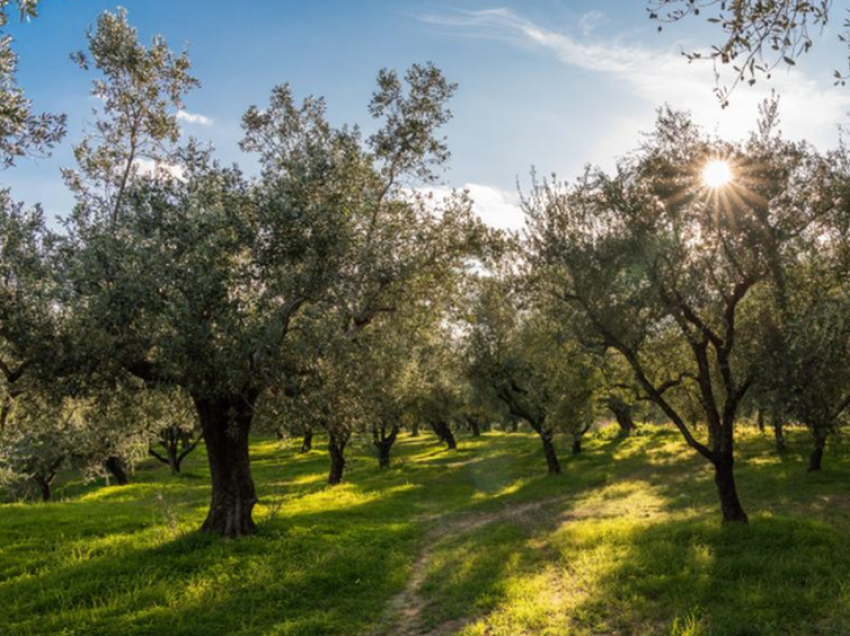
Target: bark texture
x,y
226,423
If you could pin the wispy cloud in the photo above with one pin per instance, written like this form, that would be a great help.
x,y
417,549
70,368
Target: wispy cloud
x,y
809,109
193,118
590,21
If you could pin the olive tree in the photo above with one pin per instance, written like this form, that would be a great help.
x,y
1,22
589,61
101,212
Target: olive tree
x,y
662,267
193,276
521,356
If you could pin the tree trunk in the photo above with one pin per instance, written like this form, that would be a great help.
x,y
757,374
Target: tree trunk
x,y
414,429
474,426
623,414
336,448
172,439
552,463
45,483
817,452
576,445
514,426
724,477
779,436
384,442
307,442
173,462
226,424
444,432
760,421
116,468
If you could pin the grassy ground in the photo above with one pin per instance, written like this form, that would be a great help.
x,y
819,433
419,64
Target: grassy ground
x,y
476,542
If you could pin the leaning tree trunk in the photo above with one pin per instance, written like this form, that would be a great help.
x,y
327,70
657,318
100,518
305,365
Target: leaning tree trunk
x,y
552,463
336,448
816,457
115,466
307,441
226,423
444,432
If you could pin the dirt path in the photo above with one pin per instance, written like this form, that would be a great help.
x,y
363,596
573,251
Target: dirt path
x,y
405,609
404,613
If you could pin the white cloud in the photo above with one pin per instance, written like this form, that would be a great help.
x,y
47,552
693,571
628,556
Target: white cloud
x,y
193,118
151,168
809,109
496,207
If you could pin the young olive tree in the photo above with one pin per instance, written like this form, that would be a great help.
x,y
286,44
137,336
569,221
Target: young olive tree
x,y
40,436
661,261
518,354
807,378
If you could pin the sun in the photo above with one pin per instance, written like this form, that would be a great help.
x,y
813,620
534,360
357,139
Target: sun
x,y
716,174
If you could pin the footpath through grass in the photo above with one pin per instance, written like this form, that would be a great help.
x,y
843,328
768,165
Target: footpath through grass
x,y
474,542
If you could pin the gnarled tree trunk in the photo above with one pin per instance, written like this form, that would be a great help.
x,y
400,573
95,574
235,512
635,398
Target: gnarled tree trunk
x,y
115,466
623,414
384,441
444,432
226,423
336,447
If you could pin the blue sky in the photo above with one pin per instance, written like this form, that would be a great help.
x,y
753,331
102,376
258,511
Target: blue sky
x,y
554,84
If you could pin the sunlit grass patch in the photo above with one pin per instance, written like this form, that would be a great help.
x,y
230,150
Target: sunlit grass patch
x,y
627,540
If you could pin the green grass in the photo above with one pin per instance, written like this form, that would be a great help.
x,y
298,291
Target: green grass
x,y
475,542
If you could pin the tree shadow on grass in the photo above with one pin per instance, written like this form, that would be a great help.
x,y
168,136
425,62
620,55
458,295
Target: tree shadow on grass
x,y
314,573
775,576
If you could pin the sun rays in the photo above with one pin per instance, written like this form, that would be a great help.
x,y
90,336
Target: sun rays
x,y
717,173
